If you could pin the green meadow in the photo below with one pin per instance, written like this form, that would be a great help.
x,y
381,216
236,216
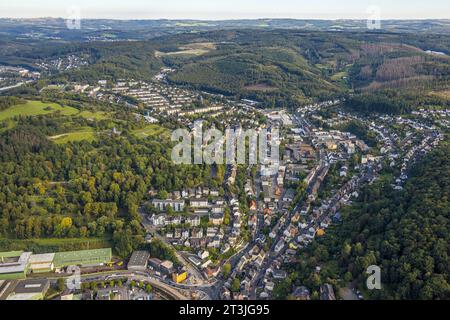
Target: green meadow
x,y
35,108
85,133
97,115
150,131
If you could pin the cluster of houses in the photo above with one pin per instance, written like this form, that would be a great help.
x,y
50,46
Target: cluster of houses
x,y
180,219
335,140
12,77
440,117
202,261
156,96
303,110
280,117
249,266
69,62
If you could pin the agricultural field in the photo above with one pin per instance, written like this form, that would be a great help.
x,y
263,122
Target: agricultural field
x,y
35,108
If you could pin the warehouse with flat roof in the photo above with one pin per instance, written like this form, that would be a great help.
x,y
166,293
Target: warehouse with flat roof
x,y
138,261
14,265
42,262
30,290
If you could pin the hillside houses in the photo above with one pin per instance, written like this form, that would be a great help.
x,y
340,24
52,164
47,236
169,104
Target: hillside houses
x,y
162,205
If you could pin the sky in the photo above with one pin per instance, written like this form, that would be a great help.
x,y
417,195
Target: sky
x,y
226,9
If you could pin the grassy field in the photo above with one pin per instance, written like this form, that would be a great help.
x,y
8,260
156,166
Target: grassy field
x,y
86,133
193,49
34,108
54,244
8,124
339,76
151,131
260,87
98,115
445,94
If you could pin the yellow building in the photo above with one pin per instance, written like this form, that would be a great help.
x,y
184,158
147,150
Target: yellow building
x,y
179,277
331,145
320,232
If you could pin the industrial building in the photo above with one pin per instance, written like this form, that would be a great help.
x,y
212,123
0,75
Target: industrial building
x,y
14,265
84,258
40,263
179,276
138,261
30,290
165,267
17,264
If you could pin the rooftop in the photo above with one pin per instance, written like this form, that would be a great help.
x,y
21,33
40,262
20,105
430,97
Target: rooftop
x,y
14,262
139,258
42,258
85,257
32,286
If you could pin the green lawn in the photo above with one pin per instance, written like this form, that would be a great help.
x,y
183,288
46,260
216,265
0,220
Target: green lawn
x,y
85,133
34,108
150,131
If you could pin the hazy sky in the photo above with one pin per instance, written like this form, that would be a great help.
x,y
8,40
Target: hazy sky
x,y
226,9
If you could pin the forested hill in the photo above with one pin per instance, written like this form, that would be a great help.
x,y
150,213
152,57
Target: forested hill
x,y
405,233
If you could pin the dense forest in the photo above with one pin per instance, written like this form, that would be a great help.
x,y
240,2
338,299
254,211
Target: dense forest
x,y
279,68
8,101
282,68
389,103
84,189
393,102
405,233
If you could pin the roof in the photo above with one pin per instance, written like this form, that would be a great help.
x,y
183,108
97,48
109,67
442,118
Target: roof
x,y
17,265
10,254
290,193
42,258
320,232
85,257
139,258
217,215
32,286
24,296
155,261
167,201
301,292
167,264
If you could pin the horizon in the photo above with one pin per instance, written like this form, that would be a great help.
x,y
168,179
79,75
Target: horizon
x,y
229,19
230,10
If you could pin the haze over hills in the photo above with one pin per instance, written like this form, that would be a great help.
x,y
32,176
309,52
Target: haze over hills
x,y
104,29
